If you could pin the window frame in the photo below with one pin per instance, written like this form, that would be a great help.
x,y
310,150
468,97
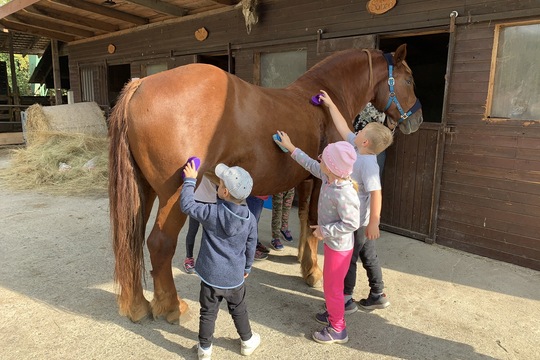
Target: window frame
x,y
493,69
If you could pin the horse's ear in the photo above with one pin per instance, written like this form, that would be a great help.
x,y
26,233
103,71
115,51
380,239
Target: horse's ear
x,y
400,54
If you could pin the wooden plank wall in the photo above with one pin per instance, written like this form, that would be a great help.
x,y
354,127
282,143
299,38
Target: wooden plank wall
x,y
285,22
408,181
490,191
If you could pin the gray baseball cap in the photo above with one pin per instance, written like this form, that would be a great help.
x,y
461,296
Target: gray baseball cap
x,y
236,180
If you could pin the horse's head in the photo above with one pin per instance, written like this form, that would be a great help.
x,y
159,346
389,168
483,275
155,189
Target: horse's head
x,y
396,97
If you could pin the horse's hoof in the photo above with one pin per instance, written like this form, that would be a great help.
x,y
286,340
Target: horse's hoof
x,y
173,317
184,307
314,281
138,315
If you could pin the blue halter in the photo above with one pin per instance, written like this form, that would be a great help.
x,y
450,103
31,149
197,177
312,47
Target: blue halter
x,y
392,96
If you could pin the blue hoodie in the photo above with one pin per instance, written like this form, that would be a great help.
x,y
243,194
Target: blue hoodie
x,y
228,241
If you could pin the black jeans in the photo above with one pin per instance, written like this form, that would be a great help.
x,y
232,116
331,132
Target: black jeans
x,y
210,298
366,250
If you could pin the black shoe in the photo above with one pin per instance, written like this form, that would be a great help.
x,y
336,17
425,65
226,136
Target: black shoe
x,y
375,302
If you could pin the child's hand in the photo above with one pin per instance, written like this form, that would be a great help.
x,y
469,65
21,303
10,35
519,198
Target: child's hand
x,y
285,141
317,231
325,98
246,275
372,231
189,170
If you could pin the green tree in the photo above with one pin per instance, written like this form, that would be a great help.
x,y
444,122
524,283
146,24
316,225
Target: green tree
x,y
22,70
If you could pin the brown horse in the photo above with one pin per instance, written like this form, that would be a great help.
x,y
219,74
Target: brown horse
x,y
199,110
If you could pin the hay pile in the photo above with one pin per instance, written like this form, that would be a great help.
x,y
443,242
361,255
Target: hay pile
x,y
68,163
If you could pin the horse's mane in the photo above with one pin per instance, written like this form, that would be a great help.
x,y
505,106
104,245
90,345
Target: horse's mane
x,y
341,70
336,60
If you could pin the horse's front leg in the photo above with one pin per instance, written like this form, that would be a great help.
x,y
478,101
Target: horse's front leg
x,y
311,273
162,245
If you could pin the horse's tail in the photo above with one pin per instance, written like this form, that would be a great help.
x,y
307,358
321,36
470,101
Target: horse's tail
x,y
125,204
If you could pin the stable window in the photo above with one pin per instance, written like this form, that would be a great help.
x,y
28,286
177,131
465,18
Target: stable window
x,y
282,68
152,69
515,79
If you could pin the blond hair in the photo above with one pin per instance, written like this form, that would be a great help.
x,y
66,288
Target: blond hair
x,y
379,136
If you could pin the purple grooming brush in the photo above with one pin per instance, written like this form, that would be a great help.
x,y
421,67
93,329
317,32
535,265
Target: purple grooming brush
x,y
196,161
316,99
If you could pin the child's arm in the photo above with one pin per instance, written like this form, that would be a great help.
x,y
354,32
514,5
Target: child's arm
x,y
198,211
311,165
339,120
375,206
251,247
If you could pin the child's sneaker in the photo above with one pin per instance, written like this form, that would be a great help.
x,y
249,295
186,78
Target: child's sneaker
x,y
262,248
189,265
330,336
248,347
259,255
350,307
204,353
286,235
375,302
276,244
322,317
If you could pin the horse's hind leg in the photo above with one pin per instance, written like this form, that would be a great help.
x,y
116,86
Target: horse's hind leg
x,y
162,245
140,307
308,244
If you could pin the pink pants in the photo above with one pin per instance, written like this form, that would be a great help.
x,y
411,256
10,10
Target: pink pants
x,y
336,265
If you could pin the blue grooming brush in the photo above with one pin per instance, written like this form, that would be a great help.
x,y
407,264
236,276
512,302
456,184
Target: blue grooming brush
x,y
276,137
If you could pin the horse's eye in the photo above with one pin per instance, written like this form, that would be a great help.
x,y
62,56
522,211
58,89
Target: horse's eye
x,y
409,81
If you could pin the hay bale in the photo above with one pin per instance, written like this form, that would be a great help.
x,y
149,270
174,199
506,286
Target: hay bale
x,y
80,118
66,152
60,163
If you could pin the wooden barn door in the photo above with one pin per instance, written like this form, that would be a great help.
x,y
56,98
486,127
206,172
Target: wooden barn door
x,y
412,168
408,183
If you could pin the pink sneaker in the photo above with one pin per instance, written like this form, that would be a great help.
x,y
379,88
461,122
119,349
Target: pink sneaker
x,y
189,265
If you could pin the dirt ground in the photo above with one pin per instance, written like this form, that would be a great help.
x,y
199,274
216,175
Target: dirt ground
x,y
57,299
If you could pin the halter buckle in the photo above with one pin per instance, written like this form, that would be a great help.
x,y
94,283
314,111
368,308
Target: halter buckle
x,y
391,81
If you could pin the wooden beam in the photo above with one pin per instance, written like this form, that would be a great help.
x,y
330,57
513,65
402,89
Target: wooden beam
x,y
36,31
162,7
226,2
11,138
105,11
72,18
56,72
50,25
14,6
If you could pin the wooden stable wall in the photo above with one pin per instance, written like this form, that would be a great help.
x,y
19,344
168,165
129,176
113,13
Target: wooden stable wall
x,y
280,22
408,183
490,190
489,186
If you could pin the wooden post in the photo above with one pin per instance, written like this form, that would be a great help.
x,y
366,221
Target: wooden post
x,y
436,195
15,90
56,72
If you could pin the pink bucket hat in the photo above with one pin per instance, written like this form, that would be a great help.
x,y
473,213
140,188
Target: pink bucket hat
x,y
339,158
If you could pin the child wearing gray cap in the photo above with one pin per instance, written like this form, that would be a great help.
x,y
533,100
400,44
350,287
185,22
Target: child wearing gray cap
x,y
226,254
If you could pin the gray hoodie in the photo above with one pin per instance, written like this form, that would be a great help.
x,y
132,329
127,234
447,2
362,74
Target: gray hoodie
x,y
228,241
